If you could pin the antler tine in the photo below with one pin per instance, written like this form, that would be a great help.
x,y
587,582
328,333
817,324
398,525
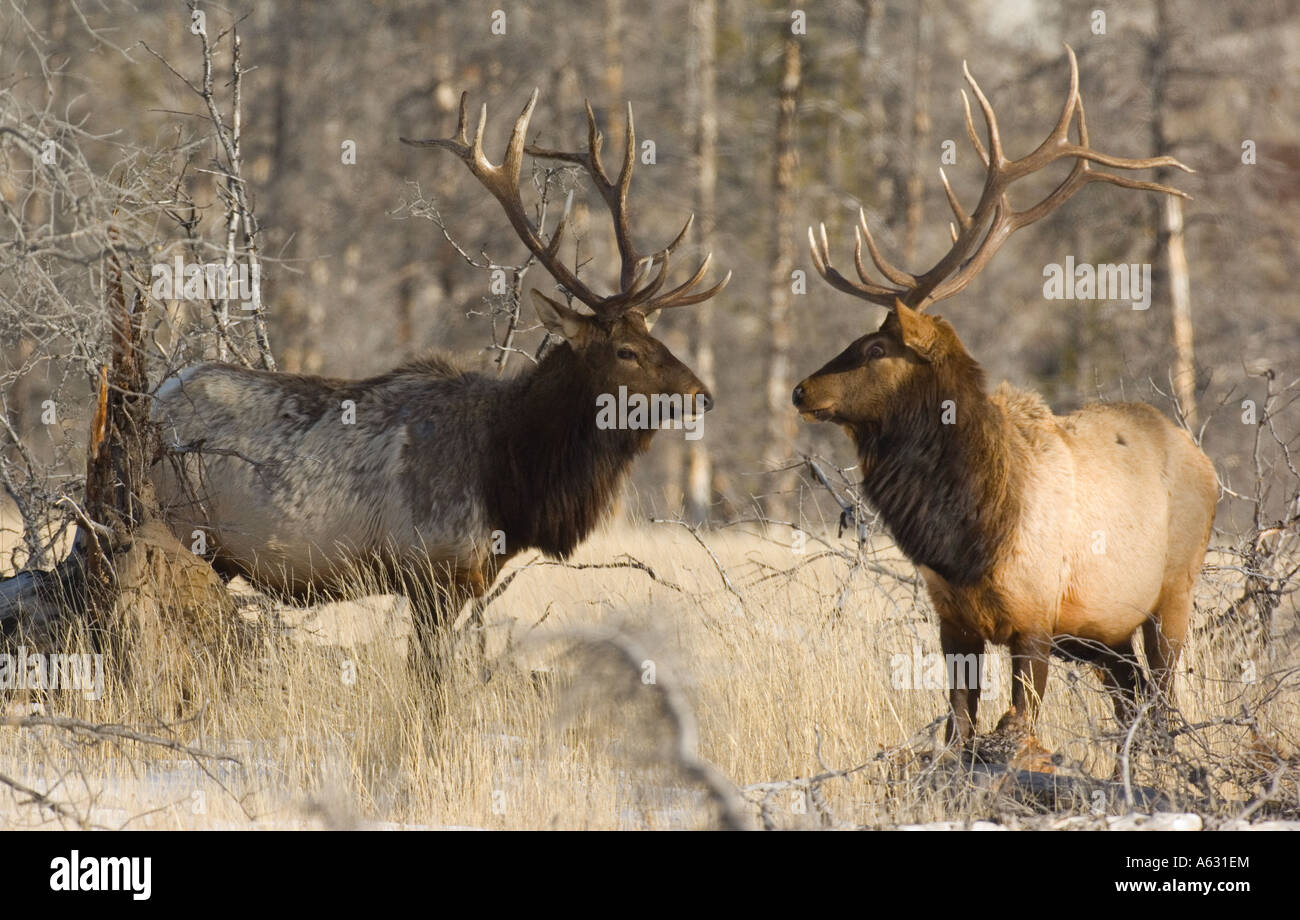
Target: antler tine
x,y
618,205
1057,145
857,257
503,183
977,235
461,119
868,282
514,157
896,275
677,240
677,296
639,282
689,284
613,193
971,132
963,219
476,149
681,295
640,290
820,262
1061,133
639,274
686,300
705,295
629,155
995,155
595,141
821,257
635,290
1082,174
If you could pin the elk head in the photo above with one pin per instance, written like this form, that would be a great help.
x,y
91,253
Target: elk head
x,y
612,344
862,384
913,354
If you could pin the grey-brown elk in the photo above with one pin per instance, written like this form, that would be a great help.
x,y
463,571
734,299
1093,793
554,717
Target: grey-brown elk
x,y
429,477
1046,533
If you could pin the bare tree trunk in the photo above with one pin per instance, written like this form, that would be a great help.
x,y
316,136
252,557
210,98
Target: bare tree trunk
x,y
1079,360
119,496
920,133
875,170
1169,241
615,132
703,18
781,421
614,68
867,41
1180,301
295,326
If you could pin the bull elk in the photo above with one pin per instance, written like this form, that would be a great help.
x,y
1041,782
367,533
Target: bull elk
x,y
1003,510
443,474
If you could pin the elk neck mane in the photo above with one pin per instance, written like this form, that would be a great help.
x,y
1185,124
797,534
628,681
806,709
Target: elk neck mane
x,y
553,474
949,493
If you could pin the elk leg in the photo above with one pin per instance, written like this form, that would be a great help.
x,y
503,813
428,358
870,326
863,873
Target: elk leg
x,y
1121,676
963,700
475,587
487,575
429,603
1163,635
1030,655
436,599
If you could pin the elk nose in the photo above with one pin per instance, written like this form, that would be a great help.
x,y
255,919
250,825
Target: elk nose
x,y
798,395
703,401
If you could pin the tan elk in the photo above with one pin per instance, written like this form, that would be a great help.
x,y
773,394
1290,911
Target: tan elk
x,y
1044,533
432,476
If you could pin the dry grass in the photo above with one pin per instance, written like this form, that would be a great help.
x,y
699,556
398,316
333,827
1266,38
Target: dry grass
x,y
787,674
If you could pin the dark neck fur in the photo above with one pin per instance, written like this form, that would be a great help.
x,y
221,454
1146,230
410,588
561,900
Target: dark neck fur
x,y
946,492
553,474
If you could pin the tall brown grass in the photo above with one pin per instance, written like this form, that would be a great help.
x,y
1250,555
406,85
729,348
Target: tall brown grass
x,y
788,671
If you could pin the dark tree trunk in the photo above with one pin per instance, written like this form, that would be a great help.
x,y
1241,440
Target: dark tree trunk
x,y
119,497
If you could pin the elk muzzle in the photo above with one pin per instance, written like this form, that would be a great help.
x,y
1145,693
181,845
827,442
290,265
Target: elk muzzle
x,y
813,405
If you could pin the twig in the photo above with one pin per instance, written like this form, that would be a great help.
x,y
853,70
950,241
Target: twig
x,y
717,563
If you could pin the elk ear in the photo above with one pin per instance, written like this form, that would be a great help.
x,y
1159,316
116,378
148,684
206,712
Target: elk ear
x,y
916,329
557,318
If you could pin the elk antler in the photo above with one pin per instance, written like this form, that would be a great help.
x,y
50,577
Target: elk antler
x,y
973,244
638,289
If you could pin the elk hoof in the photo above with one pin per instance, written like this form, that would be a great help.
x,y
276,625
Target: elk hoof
x,y
1011,723
1033,757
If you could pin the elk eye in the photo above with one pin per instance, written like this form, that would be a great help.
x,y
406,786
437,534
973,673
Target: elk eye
x,y
627,354
876,350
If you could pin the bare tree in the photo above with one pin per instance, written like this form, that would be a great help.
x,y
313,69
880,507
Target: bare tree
x,y
102,237
703,86
919,153
1171,243
781,422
